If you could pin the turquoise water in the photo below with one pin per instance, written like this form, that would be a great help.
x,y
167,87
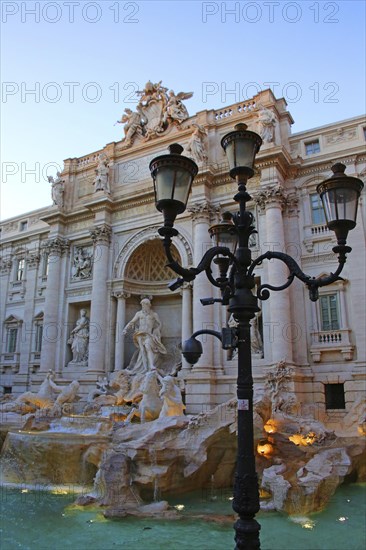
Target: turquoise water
x,y
44,521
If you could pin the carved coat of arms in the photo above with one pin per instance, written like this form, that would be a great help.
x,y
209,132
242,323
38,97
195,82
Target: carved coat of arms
x,y
156,110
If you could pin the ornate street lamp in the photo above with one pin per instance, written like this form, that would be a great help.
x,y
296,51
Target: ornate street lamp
x,y
173,176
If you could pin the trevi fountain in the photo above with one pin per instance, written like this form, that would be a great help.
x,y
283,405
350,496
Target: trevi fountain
x,y
130,453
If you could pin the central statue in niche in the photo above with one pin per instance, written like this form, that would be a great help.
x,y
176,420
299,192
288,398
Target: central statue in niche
x,y
146,337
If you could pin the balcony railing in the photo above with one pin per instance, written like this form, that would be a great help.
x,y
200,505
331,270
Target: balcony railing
x,y
336,341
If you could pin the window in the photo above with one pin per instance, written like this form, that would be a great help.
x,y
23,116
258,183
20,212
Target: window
x,y
45,264
329,312
364,132
11,339
38,337
20,270
317,210
334,396
23,226
7,390
312,147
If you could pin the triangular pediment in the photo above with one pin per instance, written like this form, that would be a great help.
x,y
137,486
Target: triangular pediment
x,y
12,319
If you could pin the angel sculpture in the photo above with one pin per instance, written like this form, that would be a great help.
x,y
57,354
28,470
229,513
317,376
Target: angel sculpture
x,y
174,109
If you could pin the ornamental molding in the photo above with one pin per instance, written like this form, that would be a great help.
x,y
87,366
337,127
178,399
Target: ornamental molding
x,y
341,135
101,234
5,265
57,246
75,292
326,166
33,259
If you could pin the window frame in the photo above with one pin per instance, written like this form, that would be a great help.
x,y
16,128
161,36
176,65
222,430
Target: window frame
x,y
330,321
20,270
332,400
317,209
309,147
11,343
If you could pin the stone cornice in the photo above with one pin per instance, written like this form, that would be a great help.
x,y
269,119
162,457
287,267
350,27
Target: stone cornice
x,y
54,217
278,157
104,204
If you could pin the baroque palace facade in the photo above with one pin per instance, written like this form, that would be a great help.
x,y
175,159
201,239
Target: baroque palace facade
x,y
97,249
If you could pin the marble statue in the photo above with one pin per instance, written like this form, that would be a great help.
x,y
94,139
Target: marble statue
x,y
79,339
133,124
82,264
266,124
196,147
256,342
172,398
146,337
101,180
57,189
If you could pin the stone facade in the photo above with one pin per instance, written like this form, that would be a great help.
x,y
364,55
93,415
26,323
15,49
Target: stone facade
x,y
99,250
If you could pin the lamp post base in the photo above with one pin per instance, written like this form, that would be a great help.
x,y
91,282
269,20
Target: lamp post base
x,y
247,534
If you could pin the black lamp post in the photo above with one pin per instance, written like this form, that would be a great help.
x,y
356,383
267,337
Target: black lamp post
x,y
173,176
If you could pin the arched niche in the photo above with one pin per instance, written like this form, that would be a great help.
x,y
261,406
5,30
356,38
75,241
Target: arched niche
x,y
141,271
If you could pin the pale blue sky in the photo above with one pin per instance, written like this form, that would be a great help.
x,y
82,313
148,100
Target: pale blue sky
x,y
315,51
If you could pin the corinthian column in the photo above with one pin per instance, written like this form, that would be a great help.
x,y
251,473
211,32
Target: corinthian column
x,y
120,324
52,330
278,331
101,236
202,315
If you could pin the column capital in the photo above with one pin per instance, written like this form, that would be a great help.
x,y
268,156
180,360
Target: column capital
x,y
121,294
185,286
56,246
101,234
275,196
202,211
